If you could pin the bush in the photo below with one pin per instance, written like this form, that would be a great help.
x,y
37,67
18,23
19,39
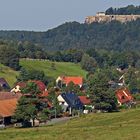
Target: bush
x,y
136,96
124,106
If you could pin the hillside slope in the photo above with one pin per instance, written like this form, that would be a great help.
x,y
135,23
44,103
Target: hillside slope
x,y
111,36
51,69
108,126
8,74
54,69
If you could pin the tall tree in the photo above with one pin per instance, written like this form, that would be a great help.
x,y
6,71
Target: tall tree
x,y
30,105
100,92
53,98
26,74
88,63
72,88
9,56
132,79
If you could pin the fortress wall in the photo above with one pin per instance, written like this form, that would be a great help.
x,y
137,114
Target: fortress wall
x,y
108,18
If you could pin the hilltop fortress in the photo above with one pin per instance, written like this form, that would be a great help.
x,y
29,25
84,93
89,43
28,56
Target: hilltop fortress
x,y
102,17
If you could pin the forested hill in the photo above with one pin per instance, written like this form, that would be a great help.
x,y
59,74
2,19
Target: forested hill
x,y
111,36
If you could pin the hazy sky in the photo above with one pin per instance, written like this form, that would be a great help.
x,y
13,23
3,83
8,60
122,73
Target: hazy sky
x,y
41,15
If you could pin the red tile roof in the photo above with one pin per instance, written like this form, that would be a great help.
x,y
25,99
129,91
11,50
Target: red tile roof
x,y
124,95
85,100
7,107
40,84
21,84
9,95
75,80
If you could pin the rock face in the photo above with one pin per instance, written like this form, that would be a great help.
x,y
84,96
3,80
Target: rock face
x,y
102,17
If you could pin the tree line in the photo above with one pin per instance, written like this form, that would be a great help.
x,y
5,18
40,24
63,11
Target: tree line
x,y
89,58
110,36
128,10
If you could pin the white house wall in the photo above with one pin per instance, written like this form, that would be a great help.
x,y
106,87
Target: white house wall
x,y
61,100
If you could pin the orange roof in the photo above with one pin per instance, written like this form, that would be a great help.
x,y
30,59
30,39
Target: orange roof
x,y
85,100
7,107
44,94
124,95
75,80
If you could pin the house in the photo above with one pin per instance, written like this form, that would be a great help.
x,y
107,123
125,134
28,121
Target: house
x,y
8,102
69,102
124,96
121,81
65,80
4,86
17,88
85,100
41,86
7,109
87,104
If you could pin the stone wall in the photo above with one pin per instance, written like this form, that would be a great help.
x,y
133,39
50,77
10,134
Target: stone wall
x,y
108,18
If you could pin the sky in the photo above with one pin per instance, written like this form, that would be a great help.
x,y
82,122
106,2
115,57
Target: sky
x,y
41,15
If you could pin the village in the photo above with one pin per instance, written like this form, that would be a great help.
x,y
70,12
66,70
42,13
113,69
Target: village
x,y
61,101
70,70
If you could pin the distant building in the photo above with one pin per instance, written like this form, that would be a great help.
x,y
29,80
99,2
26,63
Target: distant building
x,y
4,86
124,96
8,102
85,100
100,14
70,101
17,88
102,17
87,104
65,80
7,109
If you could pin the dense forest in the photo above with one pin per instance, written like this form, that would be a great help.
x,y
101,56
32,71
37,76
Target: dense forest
x,y
94,46
110,36
99,44
114,36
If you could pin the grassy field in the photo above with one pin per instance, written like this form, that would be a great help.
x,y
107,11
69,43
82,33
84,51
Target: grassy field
x,y
8,74
60,68
108,126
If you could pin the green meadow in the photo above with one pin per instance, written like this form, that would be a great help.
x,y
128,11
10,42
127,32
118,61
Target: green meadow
x,y
8,74
123,125
51,69
54,69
